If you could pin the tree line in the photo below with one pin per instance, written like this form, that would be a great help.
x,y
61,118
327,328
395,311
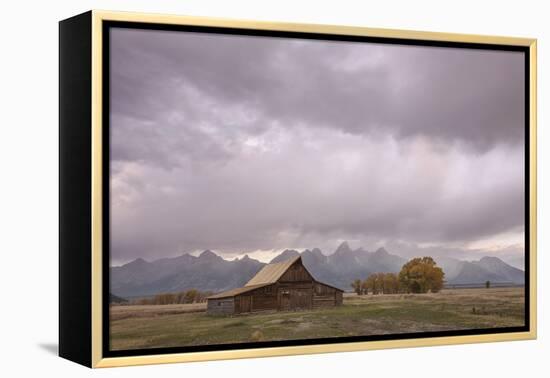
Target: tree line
x,y
182,297
418,275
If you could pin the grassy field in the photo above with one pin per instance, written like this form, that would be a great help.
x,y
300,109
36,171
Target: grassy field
x,y
183,325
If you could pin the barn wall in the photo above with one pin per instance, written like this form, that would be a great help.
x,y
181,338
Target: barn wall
x,y
295,295
265,299
295,285
325,296
296,272
243,303
301,298
220,306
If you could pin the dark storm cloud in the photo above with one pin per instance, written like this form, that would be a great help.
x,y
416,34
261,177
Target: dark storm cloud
x,y
243,143
469,95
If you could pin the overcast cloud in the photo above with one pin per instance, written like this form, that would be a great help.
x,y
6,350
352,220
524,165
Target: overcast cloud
x,y
239,144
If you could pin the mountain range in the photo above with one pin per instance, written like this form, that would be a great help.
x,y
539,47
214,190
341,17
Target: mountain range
x,y
211,272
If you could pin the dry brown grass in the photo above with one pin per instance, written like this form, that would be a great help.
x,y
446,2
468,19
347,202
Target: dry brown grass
x,y
146,311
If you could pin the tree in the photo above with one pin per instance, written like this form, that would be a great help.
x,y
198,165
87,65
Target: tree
x,y
421,275
372,283
365,287
357,287
379,282
164,298
390,283
435,279
191,296
386,283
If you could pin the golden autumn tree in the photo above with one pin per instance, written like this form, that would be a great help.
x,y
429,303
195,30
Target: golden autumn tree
x,y
421,275
390,283
385,283
365,287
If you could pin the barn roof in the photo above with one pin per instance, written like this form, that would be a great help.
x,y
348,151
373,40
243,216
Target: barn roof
x,y
270,273
237,291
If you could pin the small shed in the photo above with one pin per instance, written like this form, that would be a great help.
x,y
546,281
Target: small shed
x,y
282,286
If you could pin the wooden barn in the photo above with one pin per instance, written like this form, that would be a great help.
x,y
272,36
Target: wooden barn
x,y
282,286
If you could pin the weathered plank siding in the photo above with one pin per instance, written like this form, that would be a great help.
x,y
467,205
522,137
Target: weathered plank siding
x,y
221,306
265,299
296,273
326,296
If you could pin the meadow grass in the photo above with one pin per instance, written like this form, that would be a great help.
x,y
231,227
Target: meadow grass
x,y
458,309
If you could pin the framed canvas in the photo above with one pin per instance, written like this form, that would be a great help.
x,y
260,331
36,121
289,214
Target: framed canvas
x,y
235,189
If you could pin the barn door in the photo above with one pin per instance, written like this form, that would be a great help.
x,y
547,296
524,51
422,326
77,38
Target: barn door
x,y
284,299
300,298
246,303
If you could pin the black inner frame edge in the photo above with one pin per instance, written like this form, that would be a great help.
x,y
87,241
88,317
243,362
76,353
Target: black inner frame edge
x,y
107,25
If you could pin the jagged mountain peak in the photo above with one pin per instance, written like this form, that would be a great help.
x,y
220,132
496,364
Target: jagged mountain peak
x,y
208,254
249,260
343,248
137,262
290,251
183,257
491,259
317,251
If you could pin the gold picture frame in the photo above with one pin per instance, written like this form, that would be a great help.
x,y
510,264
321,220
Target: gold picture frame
x,y
85,32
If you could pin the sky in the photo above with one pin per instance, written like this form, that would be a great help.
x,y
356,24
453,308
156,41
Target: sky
x,y
251,145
